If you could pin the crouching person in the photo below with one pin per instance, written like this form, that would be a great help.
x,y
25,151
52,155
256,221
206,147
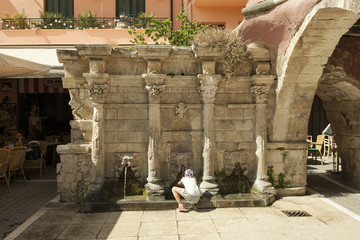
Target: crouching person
x,y
188,189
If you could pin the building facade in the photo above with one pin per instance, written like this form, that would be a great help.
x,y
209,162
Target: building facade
x,y
29,39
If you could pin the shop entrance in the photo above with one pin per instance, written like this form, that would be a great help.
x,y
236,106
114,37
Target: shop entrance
x,y
52,110
43,109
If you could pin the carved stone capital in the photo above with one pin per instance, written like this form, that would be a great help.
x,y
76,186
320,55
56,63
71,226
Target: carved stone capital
x,y
155,91
180,110
260,93
98,93
208,87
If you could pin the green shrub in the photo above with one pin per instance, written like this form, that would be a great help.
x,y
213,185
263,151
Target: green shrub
x,y
161,31
236,60
16,20
87,20
54,21
143,20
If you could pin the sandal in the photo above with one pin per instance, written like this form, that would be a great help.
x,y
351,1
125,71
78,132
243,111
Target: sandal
x,y
181,208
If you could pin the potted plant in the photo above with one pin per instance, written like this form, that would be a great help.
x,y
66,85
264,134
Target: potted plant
x,y
52,20
15,21
123,21
143,20
87,20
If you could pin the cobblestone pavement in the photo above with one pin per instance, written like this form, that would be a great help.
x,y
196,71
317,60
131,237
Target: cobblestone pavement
x,y
64,221
25,199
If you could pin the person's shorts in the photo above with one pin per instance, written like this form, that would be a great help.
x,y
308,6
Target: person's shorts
x,y
190,198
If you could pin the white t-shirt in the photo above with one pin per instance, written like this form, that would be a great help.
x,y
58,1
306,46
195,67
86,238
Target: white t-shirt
x,y
190,186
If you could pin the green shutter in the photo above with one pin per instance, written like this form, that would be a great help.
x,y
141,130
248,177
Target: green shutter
x,y
130,7
66,7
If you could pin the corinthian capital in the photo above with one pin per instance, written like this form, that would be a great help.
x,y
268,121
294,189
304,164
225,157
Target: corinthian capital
x,y
208,87
260,93
98,92
155,91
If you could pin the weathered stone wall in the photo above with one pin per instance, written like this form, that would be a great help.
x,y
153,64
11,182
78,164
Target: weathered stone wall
x,y
164,108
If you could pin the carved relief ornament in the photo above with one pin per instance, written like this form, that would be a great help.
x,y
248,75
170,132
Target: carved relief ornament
x,y
180,110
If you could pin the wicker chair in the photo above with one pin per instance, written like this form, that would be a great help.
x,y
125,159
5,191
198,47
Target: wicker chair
x,y
4,154
40,162
16,161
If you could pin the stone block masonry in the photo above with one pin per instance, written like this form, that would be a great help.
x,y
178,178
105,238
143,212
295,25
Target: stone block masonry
x,y
162,106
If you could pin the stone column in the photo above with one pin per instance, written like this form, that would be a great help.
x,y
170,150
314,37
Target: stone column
x,y
208,86
260,91
155,86
98,89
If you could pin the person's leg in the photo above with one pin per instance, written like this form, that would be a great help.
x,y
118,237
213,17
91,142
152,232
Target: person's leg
x,y
177,193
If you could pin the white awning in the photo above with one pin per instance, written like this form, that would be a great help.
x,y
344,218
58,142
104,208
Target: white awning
x,y
29,62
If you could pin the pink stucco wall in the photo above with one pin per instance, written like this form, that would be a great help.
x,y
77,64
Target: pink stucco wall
x,y
160,8
102,8
276,28
63,37
228,16
32,8
252,2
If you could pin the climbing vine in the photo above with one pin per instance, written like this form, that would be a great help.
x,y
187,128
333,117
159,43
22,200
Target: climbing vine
x,y
281,181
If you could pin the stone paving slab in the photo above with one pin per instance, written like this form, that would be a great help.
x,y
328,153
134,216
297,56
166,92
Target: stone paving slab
x,y
267,223
25,198
66,221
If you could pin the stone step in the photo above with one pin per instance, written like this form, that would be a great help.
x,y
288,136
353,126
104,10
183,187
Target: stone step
x,y
217,201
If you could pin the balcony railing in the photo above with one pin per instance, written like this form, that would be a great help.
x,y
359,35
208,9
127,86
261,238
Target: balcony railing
x,y
74,23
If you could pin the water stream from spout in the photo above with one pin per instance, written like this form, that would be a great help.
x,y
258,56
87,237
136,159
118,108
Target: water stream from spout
x,y
126,166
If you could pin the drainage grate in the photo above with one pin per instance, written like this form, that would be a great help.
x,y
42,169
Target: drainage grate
x,y
296,213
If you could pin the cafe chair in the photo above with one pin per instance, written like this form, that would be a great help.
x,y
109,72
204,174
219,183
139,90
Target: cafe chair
x,y
4,154
16,161
52,138
4,175
36,158
316,148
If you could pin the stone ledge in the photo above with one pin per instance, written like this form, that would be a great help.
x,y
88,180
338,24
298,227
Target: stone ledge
x,y
218,201
71,148
294,191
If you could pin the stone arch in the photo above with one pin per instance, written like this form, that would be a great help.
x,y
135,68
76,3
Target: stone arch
x,y
301,76
303,66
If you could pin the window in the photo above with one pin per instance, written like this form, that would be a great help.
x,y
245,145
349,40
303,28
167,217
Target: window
x,y
66,7
129,7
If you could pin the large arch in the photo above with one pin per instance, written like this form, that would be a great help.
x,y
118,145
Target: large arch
x,y
303,66
300,77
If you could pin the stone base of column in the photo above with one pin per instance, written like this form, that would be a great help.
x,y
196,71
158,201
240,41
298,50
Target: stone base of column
x,y
209,186
263,186
155,191
95,188
94,192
